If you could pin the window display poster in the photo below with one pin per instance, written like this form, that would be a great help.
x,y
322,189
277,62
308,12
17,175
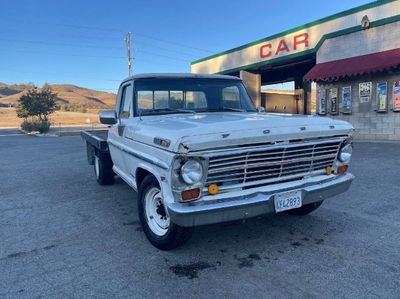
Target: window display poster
x,y
346,99
381,96
396,96
333,99
364,91
321,101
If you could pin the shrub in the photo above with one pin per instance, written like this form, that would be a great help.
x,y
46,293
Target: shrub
x,y
37,103
41,126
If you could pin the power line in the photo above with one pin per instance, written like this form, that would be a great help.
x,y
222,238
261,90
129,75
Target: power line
x,y
161,55
140,43
65,55
59,44
93,56
103,47
172,43
105,29
91,46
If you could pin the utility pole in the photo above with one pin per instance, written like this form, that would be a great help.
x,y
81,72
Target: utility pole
x,y
128,52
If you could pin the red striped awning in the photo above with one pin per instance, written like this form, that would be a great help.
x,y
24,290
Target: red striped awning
x,y
354,66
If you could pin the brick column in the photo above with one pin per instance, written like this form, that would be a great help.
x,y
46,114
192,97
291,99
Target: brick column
x,y
253,85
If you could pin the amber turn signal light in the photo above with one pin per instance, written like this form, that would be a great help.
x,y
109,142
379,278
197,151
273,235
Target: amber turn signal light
x,y
329,170
190,194
213,189
342,169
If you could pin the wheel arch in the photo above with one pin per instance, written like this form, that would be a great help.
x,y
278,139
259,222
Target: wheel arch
x,y
141,172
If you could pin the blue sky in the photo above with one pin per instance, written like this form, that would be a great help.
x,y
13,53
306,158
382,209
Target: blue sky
x,y
82,42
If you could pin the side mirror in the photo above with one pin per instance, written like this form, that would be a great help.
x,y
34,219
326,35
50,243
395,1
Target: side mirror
x,y
108,117
260,109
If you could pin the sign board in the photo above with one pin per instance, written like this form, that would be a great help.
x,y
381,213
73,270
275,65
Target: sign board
x,y
333,101
346,99
321,99
381,97
396,96
364,92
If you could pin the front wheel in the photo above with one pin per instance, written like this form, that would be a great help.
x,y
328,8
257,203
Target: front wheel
x,y
305,210
157,226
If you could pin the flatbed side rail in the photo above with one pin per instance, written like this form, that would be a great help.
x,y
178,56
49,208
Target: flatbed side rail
x,y
96,144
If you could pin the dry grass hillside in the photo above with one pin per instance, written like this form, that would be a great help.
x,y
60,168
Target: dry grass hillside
x,y
9,119
67,94
82,104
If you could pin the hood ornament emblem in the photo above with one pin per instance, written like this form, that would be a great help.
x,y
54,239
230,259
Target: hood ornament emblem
x,y
266,131
225,135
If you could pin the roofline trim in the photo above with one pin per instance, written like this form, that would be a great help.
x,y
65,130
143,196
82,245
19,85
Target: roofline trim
x,y
304,26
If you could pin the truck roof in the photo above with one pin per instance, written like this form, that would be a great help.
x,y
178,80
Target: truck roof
x,y
180,76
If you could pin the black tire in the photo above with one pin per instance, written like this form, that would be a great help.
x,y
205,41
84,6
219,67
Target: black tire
x,y
104,173
175,235
305,210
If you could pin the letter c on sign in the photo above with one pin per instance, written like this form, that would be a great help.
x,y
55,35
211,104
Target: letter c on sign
x,y
264,51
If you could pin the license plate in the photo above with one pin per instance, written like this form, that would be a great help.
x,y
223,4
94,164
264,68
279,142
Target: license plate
x,y
287,201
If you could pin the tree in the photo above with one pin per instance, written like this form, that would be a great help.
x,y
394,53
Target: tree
x,y
37,103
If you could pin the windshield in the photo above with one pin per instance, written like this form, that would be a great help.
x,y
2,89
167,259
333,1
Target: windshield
x,y
162,96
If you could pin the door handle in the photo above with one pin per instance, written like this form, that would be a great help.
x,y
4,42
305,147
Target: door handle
x,y
121,129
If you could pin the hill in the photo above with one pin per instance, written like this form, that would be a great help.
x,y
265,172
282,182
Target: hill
x,y
67,96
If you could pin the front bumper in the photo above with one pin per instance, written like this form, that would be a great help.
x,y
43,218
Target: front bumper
x,y
259,202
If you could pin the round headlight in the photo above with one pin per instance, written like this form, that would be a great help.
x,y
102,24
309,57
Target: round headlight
x,y
192,172
345,153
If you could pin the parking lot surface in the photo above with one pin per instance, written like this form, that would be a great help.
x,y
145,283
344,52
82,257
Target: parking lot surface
x,y
64,236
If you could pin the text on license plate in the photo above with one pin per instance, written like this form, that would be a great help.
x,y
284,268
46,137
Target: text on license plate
x,y
287,200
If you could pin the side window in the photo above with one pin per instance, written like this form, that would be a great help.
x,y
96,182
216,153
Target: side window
x,y
195,100
231,97
126,101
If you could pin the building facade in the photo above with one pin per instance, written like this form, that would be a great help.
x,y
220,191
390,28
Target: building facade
x,y
353,57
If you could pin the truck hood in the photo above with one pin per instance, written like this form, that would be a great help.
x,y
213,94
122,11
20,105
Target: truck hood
x,y
202,131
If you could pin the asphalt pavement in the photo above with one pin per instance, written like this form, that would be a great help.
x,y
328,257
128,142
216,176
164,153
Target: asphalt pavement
x,y
64,236
7,132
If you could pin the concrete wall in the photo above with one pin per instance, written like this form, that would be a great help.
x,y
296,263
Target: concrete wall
x,y
377,39
282,101
368,123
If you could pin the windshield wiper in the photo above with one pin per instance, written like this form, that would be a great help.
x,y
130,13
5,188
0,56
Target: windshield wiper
x,y
179,110
233,109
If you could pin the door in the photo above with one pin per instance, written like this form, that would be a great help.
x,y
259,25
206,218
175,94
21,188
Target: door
x,y
117,132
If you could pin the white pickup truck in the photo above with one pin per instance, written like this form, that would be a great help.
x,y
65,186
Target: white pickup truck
x,y
198,152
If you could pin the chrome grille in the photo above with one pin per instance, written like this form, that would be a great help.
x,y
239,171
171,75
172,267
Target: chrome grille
x,y
273,163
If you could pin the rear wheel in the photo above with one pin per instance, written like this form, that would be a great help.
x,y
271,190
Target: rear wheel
x,y
157,225
103,171
305,210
